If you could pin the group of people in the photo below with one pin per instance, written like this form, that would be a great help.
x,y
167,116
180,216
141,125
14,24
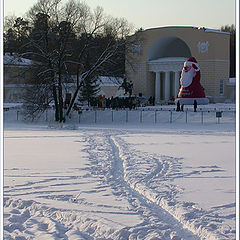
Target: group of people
x,y
130,102
116,102
180,108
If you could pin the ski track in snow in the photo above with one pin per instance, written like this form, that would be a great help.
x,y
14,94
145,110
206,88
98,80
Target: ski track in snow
x,y
145,181
155,186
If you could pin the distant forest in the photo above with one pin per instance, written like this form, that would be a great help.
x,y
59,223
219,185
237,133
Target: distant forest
x,y
232,30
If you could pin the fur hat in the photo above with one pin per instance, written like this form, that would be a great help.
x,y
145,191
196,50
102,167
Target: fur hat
x,y
192,62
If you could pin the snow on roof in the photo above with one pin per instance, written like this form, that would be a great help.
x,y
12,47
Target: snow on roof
x,y
214,31
232,80
12,105
15,60
168,59
194,27
106,81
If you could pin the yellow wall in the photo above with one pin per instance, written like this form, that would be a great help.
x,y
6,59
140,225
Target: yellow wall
x,y
214,63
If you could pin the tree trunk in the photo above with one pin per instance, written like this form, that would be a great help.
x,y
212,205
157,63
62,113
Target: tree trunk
x,y
72,101
56,103
60,98
74,95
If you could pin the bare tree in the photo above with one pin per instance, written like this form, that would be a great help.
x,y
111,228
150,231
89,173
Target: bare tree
x,y
67,39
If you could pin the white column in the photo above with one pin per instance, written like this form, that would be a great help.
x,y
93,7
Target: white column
x,y
157,88
167,86
177,83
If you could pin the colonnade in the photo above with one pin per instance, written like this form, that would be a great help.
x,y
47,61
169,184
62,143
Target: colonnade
x,y
166,85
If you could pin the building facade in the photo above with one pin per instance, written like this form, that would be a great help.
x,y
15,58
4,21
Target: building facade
x,y
17,77
155,58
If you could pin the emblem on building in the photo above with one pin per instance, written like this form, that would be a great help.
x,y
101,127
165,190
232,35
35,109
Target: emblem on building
x,y
203,47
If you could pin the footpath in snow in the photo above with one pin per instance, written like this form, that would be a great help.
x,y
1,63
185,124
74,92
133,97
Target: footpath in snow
x,y
168,181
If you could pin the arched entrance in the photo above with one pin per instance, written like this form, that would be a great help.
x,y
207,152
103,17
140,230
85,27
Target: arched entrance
x,y
165,58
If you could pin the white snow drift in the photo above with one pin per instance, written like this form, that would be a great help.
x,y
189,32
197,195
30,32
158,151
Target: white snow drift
x,y
143,181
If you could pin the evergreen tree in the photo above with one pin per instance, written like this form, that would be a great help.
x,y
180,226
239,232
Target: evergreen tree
x,y
89,89
16,35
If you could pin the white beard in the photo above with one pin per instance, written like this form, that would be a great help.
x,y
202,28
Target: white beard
x,y
187,77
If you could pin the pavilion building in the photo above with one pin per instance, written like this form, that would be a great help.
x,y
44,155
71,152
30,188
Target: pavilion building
x,y
155,58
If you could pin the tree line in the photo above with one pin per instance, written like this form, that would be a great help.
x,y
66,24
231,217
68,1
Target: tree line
x,y
66,39
232,30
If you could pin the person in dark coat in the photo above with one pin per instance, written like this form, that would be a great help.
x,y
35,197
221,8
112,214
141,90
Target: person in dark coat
x,y
178,106
182,107
195,105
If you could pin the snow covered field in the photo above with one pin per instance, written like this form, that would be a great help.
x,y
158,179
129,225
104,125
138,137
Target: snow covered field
x,y
119,181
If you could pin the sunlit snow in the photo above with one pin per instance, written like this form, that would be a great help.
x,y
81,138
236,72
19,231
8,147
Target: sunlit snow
x,y
132,180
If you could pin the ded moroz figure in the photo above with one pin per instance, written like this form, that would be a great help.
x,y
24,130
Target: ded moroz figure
x,y
191,89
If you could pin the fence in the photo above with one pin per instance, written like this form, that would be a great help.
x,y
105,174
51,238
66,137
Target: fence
x,y
149,116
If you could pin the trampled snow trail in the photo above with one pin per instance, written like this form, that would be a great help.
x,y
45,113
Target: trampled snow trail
x,y
111,192
146,176
148,180
156,223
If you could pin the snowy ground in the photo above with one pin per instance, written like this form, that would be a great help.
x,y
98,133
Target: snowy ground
x,y
126,181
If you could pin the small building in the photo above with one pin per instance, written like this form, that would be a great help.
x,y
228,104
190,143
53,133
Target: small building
x,y
17,77
155,60
109,86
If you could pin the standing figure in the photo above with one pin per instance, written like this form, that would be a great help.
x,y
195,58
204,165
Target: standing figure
x,y
195,105
191,88
127,86
182,107
178,106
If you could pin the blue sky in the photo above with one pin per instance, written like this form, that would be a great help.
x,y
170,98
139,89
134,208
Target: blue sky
x,y
154,13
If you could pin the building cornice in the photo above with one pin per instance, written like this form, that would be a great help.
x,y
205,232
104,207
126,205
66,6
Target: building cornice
x,y
166,64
